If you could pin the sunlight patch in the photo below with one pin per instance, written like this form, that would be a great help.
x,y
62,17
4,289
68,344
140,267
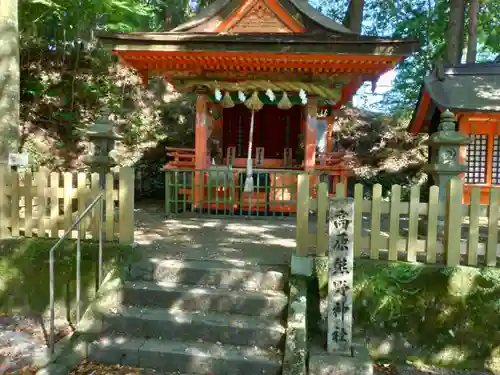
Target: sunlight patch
x,y
451,354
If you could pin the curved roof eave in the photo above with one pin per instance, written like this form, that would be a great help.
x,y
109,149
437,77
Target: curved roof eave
x,y
318,17
207,13
301,5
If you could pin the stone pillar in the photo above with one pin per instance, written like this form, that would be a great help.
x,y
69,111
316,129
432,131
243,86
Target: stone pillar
x,y
340,275
343,355
444,146
310,134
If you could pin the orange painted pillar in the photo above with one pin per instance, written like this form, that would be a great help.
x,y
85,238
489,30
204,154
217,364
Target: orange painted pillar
x,y
310,136
200,145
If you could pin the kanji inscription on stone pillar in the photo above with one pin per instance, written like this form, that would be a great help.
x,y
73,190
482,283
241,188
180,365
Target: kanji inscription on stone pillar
x,y
340,273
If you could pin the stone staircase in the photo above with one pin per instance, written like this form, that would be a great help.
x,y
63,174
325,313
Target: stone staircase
x,y
194,317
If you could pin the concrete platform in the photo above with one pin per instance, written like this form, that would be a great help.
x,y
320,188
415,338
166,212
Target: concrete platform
x,y
237,239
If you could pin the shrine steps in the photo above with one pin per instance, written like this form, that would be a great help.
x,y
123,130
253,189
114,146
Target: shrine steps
x,y
193,317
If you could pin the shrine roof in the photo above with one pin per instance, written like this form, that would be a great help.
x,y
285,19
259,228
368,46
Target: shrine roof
x,y
301,11
261,42
461,89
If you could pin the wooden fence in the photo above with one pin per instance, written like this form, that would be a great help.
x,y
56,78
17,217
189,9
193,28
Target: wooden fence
x,y
451,233
45,204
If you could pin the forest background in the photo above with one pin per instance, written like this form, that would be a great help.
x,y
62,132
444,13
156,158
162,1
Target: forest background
x,y
67,77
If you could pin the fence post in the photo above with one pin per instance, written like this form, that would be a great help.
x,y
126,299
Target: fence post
x,y
126,205
340,275
322,200
4,209
41,180
14,203
302,230
493,217
302,264
453,222
168,195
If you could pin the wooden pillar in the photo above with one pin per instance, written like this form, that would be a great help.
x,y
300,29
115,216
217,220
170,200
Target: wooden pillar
x,y
201,158
310,134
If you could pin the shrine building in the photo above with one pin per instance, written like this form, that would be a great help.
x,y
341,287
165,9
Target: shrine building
x,y
472,93
269,76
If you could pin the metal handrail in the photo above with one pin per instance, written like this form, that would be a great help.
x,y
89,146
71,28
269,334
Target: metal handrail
x,y
76,224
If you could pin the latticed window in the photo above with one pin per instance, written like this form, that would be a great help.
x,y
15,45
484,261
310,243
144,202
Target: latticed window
x,y
477,156
495,161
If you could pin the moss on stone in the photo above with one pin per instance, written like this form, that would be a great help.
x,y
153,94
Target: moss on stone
x,y
437,315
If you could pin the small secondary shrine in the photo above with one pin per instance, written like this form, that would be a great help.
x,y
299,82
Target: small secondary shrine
x,y
472,93
269,76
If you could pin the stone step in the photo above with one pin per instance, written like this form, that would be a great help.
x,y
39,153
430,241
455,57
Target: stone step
x,y
189,298
194,326
228,274
184,357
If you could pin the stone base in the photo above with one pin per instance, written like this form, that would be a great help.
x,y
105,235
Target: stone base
x,y
324,363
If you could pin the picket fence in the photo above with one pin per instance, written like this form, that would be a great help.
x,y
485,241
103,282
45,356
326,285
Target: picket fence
x,y
406,230
44,203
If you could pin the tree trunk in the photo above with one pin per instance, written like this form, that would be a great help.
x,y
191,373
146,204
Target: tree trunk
x,y
472,35
354,15
455,35
9,79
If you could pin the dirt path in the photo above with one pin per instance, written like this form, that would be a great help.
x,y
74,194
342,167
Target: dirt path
x,y
22,341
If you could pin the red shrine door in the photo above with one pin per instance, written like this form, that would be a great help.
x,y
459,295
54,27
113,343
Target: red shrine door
x,y
274,129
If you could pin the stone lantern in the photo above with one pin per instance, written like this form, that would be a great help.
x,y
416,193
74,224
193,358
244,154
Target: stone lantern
x,y
444,148
102,139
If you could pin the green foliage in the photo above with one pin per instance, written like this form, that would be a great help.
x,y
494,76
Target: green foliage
x,y
22,259
425,21
434,308
63,91
386,153
67,78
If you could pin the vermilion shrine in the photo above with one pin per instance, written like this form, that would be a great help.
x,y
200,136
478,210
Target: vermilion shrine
x,y
269,76
471,92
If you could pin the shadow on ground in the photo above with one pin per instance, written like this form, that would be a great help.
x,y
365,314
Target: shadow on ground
x,y
263,241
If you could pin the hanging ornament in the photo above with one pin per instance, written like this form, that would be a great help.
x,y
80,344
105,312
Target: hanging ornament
x,y
218,95
241,96
248,188
254,103
303,96
284,103
227,101
270,95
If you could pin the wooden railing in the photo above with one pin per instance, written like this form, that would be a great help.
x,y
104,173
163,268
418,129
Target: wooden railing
x,y
181,157
407,230
219,190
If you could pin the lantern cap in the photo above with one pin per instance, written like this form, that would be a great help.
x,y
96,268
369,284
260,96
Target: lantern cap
x,y
103,128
